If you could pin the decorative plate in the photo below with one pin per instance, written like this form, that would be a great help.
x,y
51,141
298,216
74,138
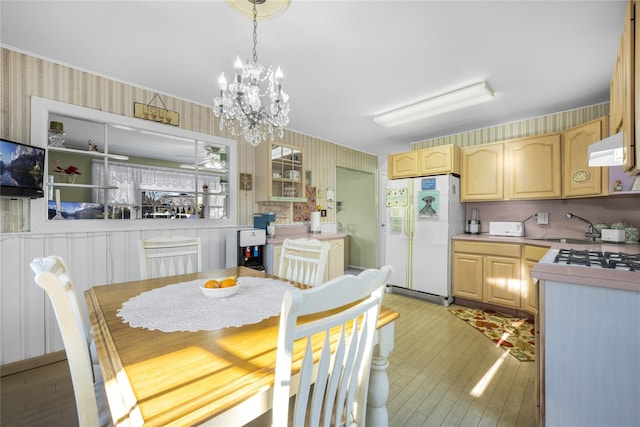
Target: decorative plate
x,y
580,176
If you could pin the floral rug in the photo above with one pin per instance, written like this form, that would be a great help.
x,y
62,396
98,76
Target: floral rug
x,y
515,335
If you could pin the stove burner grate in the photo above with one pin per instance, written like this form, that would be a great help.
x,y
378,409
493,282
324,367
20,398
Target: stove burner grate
x,y
597,259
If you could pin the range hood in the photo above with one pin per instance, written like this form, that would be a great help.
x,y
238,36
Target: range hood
x,y
607,152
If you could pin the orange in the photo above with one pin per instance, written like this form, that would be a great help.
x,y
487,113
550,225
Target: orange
x,y
212,284
227,283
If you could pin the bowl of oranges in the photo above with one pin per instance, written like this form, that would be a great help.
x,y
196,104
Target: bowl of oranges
x,y
221,287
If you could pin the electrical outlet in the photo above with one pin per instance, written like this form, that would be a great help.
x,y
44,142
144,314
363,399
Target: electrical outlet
x,y
542,218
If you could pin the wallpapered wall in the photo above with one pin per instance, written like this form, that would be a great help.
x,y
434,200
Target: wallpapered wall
x,y
24,76
534,126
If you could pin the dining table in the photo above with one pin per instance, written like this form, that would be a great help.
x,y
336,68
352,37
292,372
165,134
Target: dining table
x,y
171,356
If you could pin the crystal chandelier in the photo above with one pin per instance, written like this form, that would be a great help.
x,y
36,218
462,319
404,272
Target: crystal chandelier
x,y
254,104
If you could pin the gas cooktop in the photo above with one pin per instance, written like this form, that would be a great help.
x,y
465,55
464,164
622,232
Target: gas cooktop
x,y
596,259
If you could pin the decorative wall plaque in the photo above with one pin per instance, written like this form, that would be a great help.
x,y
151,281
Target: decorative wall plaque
x,y
245,181
580,176
156,114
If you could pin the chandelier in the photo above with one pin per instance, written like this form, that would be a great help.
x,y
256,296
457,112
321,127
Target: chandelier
x,y
254,104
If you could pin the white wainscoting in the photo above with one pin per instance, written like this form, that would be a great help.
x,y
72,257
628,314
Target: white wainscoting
x,y
28,324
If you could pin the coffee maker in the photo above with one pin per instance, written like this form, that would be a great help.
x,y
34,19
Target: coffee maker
x,y
264,222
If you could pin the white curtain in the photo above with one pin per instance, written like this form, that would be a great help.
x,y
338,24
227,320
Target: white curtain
x,y
132,180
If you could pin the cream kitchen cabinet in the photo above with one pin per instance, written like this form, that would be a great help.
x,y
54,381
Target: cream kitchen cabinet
x,y
467,274
578,179
425,162
280,173
519,169
403,165
335,263
487,272
335,267
535,168
502,284
482,172
532,254
624,100
439,160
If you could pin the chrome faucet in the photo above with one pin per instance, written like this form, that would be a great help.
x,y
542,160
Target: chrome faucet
x,y
591,234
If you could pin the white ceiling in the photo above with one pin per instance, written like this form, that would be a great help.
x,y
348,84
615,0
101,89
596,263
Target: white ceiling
x,y
344,61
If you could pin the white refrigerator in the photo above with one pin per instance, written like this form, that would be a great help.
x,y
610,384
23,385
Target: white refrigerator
x,y
421,216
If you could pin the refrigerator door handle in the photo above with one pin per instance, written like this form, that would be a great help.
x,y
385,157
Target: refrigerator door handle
x,y
409,214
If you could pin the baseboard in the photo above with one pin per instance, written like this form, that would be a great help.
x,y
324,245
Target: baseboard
x,y
437,299
34,362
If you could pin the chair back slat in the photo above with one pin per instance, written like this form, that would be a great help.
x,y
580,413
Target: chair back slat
x,y
304,260
334,375
168,256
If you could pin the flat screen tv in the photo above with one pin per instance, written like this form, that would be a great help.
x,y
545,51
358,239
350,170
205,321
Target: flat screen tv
x,y
21,170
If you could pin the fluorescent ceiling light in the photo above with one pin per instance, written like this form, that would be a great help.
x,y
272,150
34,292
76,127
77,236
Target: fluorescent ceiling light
x,y
607,152
455,100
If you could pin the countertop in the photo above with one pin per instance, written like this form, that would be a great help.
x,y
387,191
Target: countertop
x,y
615,279
301,233
595,246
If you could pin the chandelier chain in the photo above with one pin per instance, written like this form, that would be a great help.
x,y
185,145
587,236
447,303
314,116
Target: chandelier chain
x,y
255,32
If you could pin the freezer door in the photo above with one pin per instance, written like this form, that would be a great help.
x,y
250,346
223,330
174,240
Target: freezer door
x,y
396,235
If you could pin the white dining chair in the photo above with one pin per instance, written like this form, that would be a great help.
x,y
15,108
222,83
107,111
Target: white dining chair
x,y
304,260
91,404
167,256
333,390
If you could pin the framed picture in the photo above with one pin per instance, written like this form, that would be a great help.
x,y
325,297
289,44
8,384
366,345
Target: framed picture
x,y
246,181
636,185
428,204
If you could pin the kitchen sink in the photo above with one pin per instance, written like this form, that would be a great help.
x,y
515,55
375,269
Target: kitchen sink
x,y
563,240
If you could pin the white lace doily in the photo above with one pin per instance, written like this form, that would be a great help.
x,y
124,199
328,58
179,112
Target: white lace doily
x,y
182,307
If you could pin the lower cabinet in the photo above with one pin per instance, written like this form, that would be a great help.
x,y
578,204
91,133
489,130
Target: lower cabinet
x,y
467,275
488,272
501,285
335,263
532,254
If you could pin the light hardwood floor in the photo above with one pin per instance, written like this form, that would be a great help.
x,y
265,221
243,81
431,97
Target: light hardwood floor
x,y
437,362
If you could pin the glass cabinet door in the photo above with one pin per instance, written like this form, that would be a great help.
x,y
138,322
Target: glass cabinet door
x,y
286,172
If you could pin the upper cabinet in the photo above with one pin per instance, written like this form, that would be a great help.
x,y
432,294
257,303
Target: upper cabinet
x,y
280,173
482,175
404,165
428,161
439,160
550,166
534,168
520,169
624,95
578,179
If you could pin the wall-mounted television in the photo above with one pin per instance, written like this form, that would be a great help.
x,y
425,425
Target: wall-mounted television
x,y
21,170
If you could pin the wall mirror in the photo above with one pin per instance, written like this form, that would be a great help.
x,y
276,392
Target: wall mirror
x,y
112,167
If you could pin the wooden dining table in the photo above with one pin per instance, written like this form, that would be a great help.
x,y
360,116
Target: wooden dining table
x,y
219,377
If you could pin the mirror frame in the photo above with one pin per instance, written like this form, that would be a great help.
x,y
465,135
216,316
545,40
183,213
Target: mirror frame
x,y
40,110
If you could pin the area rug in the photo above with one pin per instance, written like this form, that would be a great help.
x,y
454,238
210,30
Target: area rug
x,y
515,335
